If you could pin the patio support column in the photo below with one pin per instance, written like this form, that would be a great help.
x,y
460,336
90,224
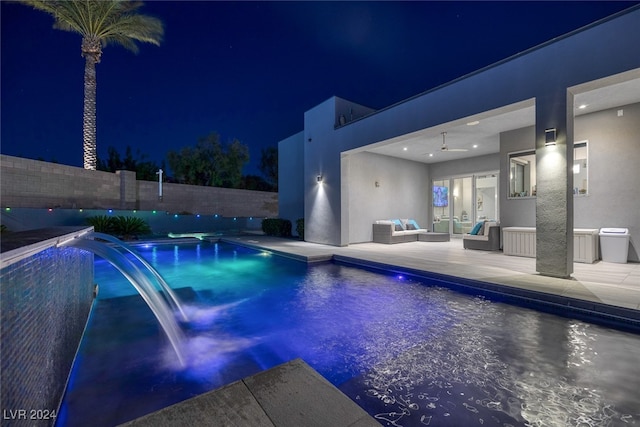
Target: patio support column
x,y
554,180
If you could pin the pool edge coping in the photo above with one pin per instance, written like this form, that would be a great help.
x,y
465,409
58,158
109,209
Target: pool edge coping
x,y
607,314
581,309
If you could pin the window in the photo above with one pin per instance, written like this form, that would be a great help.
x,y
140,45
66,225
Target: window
x,y
580,175
522,174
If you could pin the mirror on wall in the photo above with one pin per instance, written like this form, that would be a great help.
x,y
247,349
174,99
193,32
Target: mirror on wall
x,y
580,175
522,174
486,205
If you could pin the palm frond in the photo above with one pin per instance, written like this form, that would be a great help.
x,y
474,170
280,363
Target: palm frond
x,y
110,21
133,27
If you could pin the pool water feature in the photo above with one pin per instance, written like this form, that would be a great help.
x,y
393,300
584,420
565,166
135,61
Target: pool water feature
x,y
409,353
141,283
170,296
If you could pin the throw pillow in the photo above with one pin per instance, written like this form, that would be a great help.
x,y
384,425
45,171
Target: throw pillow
x,y
399,228
415,224
410,226
476,228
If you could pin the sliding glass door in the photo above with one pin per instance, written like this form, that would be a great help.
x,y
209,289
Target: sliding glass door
x,y
460,202
462,205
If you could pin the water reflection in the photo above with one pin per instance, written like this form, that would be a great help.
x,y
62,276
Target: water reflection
x,y
537,371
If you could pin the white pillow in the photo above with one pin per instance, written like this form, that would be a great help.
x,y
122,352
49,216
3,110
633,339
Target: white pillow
x,y
384,221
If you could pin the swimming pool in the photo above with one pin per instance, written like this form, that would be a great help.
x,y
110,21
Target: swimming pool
x,y
409,353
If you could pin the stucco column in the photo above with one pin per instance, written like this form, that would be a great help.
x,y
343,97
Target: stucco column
x,y
554,180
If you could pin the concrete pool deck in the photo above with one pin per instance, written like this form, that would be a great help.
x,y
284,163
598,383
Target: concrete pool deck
x,y
611,288
288,395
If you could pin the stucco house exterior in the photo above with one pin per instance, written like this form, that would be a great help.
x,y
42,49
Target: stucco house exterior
x,y
551,140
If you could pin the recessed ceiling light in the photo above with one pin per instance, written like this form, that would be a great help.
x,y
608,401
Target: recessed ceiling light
x,y
404,149
582,106
430,154
473,123
475,145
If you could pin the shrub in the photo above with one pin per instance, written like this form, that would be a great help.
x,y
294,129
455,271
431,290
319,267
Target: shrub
x,y
128,226
276,227
3,229
123,226
102,223
300,228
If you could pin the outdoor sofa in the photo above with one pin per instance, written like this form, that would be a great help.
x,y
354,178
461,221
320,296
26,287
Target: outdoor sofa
x,y
484,236
405,230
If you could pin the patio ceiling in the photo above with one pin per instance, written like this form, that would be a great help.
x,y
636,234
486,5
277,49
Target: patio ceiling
x,y
484,137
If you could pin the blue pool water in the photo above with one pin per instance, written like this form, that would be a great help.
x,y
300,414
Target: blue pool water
x,y
409,353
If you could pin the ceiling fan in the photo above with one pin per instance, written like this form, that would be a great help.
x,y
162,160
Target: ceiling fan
x,y
446,148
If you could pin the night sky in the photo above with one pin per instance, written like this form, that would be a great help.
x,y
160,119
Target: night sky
x,y
249,70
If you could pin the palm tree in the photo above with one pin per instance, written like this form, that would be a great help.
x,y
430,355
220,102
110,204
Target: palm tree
x,y
99,22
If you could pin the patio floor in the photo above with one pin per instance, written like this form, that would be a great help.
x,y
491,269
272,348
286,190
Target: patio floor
x,y
601,286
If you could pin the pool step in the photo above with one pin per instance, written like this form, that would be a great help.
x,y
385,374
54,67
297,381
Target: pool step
x,y
291,394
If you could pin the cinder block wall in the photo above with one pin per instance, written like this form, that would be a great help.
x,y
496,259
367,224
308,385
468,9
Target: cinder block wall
x,y
30,183
34,184
196,199
45,300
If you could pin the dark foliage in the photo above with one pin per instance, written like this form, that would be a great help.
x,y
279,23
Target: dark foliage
x,y
300,228
269,166
276,227
145,169
123,226
210,162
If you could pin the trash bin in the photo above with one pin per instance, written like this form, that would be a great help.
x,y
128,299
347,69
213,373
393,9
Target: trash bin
x,y
614,244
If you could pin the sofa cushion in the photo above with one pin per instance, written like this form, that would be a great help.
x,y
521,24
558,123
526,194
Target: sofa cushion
x,y
384,221
415,224
476,237
476,228
398,225
404,233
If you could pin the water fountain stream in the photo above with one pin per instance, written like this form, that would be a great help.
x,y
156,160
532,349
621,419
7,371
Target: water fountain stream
x,y
141,282
171,297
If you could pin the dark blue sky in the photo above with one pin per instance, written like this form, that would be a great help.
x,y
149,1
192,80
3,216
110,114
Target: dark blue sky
x,y
249,70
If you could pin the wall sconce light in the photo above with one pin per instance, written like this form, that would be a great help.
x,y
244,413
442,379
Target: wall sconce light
x,y
550,137
377,184
319,179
